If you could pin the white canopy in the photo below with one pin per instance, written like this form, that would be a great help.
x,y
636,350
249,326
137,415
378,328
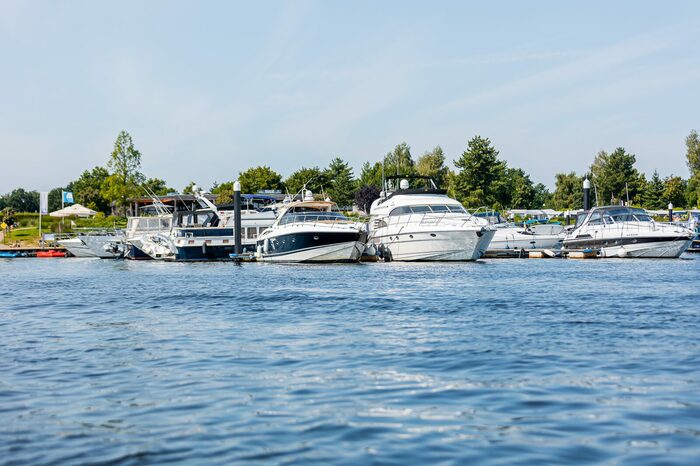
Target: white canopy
x,y
75,209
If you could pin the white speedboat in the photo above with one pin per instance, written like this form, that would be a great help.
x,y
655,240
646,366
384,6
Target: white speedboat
x,y
511,236
76,247
424,224
311,231
619,231
106,244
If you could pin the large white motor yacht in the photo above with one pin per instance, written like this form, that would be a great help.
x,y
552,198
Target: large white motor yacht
x,y
311,231
619,231
424,224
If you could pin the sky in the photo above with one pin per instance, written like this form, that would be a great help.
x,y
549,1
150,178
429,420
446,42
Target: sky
x,y
210,88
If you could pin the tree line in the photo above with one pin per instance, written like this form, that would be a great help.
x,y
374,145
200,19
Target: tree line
x,y
480,178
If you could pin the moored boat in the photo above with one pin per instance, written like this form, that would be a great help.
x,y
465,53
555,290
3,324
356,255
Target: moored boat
x,y
620,231
312,231
424,224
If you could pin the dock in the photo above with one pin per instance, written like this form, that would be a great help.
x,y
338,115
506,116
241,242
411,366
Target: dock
x,y
536,253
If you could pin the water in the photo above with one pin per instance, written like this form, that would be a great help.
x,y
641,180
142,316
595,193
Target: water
x,y
497,362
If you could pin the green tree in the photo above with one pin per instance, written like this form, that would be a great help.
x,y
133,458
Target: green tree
x,y
314,179
568,192
480,169
399,161
432,164
258,178
157,187
653,197
365,196
342,186
23,201
614,176
87,190
692,144
674,190
125,178
190,186
516,190
371,175
55,198
543,198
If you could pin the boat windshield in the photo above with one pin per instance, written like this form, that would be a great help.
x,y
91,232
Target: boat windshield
x,y
312,216
424,209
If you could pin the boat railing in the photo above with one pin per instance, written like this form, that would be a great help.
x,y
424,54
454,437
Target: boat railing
x,y
316,220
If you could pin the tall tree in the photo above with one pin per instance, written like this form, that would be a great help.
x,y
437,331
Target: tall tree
x,y
432,164
674,191
568,192
190,187
87,190
480,169
314,179
399,161
653,197
259,178
365,196
342,186
615,176
125,176
371,175
692,144
23,201
55,198
543,198
157,187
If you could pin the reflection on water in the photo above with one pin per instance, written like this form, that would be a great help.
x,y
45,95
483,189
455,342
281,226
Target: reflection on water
x,y
497,362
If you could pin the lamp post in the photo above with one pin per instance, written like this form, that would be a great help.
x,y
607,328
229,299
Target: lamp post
x,y
670,212
586,194
237,217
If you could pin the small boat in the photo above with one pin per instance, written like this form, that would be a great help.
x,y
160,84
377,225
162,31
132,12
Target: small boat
x,y
11,255
620,231
529,235
50,253
76,247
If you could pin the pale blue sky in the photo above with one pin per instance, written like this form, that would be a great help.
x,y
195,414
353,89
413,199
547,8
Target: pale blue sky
x,y
210,88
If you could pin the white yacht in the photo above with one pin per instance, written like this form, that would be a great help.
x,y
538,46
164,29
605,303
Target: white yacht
x,y
311,231
524,236
619,231
424,224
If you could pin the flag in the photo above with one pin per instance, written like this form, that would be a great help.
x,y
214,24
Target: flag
x,y
68,197
43,203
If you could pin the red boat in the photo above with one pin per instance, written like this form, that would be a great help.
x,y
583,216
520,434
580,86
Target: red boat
x,y
50,253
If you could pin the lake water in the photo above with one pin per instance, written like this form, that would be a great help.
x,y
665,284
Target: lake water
x,y
495,362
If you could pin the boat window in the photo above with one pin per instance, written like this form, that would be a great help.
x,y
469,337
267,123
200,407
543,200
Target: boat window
x,y
317,216
252,233
457,208
642,217
417,209
403,210
608,219
595,219
440,208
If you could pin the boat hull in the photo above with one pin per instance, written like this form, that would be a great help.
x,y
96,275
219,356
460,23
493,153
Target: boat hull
x,y
315,246
76,247
654,247
436,245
